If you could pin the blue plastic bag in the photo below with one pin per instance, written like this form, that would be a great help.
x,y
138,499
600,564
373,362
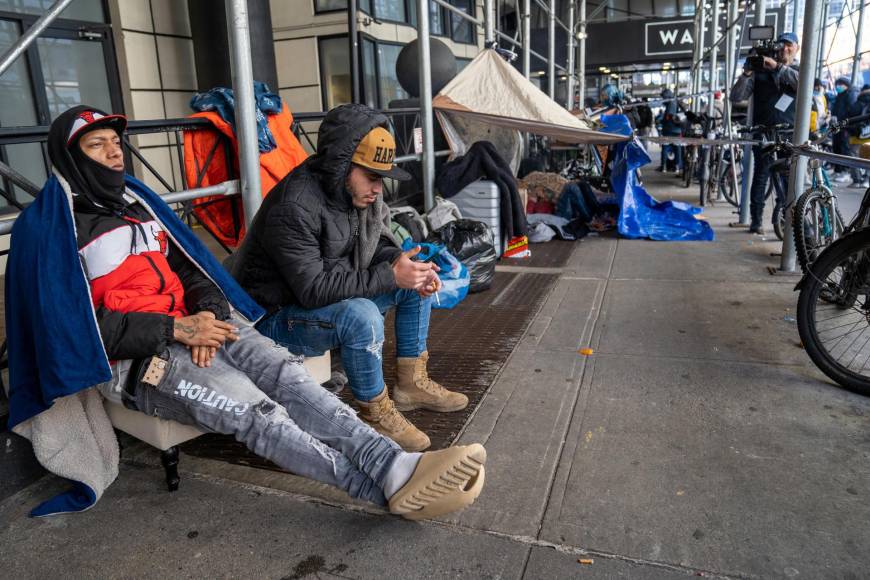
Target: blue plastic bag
x,y
640,215
454,276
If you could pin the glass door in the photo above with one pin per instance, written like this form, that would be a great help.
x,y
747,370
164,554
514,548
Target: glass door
x,y
71,63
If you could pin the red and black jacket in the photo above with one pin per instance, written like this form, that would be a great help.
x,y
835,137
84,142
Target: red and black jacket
x,y
140,280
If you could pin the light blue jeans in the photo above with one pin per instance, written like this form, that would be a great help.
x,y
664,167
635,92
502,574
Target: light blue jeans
x,y
357,326
261,394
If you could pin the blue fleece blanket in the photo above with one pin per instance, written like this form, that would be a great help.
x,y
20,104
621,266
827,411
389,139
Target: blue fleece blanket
x,y
640,215
222,101
54,343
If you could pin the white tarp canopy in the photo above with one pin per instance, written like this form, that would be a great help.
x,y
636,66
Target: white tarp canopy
x,y
491,92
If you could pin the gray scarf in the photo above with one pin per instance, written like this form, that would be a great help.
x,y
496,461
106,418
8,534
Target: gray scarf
x,y
374,222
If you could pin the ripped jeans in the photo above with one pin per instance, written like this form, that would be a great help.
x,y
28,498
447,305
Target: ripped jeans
x,y
357,326
261,394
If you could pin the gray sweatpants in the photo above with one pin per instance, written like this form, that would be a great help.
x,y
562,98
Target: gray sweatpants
x,y
261,394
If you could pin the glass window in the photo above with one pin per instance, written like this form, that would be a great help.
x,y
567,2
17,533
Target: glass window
x,y
462,30
666,8
370,74
334,72
16,94
641,8
365,6
461,63
329,5
687,7
617,10
389,86
70,75
390,10
436,17
90,10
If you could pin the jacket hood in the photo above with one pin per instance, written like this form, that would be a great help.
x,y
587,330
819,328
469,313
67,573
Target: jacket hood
x,y
340,132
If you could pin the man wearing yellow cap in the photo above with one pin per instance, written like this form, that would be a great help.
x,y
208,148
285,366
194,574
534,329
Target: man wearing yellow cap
x,y
320,258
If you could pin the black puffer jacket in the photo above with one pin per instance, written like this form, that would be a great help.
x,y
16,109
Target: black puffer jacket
x,y
300,248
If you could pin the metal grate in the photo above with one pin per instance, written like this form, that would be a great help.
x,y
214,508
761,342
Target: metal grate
x,y
469,346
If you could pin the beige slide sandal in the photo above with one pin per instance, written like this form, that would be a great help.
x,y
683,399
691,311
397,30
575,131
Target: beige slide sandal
x,y
444,481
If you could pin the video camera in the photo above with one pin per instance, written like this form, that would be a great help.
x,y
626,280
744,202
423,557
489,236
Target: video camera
x,y
765,46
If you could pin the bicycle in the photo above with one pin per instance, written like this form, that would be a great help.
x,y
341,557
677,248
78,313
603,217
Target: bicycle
x,y
726,172
816,219
833,312
774,145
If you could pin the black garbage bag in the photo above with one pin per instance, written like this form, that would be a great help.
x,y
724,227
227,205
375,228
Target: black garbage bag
x,y
471,242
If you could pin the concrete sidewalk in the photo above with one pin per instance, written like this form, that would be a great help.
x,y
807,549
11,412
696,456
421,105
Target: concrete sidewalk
x,y
697,440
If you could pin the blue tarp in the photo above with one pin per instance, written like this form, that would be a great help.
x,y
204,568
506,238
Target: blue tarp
x,y
640,215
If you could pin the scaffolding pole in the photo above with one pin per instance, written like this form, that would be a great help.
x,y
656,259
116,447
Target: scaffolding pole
x,y
856,61
812,17
353,39
700,16
551,50
823,34
569,99
748,161
582,64
425,68
527,38
32,33
246,106
488,22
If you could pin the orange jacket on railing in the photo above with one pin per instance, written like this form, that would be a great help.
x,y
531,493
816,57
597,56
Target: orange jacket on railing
x,y
206,149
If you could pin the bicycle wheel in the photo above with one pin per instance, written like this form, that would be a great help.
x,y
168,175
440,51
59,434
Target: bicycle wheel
x,y
833,310
731,172
815,225
778,220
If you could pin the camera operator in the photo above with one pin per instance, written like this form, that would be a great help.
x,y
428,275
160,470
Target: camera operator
x,y
771,82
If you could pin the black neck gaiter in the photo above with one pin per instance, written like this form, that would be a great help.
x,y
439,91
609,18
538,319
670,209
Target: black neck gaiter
x,y
104,185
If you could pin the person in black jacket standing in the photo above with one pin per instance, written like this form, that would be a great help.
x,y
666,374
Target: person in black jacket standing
x,y
320,258
773,92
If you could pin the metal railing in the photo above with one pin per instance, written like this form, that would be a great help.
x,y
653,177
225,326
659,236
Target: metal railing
x,y
402,121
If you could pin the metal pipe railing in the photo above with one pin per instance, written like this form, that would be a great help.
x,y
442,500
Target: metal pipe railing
x,y
462,14
32,33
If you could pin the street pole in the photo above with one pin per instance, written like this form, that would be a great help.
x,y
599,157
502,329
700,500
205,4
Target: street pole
x,y
246,106
812,18
714,58
582,66
856,61
527,38
425,67
569,100
551,50
488,22
748,161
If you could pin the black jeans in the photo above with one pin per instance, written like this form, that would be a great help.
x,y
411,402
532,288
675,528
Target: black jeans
x,y
760,177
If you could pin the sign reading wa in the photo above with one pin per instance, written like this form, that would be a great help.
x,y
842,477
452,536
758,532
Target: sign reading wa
x,y
671,37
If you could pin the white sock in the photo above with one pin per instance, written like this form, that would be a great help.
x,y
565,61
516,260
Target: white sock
x,y
400,472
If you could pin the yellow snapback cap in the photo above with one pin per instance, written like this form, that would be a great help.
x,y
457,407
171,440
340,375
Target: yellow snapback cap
x,y
376,152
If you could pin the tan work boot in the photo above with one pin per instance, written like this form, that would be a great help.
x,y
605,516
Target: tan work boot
x,y
444,481
417,391
382,415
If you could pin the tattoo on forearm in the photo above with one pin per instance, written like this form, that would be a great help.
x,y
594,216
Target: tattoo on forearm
x,y
189,330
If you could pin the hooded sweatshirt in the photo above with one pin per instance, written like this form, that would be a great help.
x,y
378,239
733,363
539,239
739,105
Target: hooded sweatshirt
x,y
139,279
308,245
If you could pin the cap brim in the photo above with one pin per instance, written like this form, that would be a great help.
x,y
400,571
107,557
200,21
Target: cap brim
x,y
396,173
116,122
